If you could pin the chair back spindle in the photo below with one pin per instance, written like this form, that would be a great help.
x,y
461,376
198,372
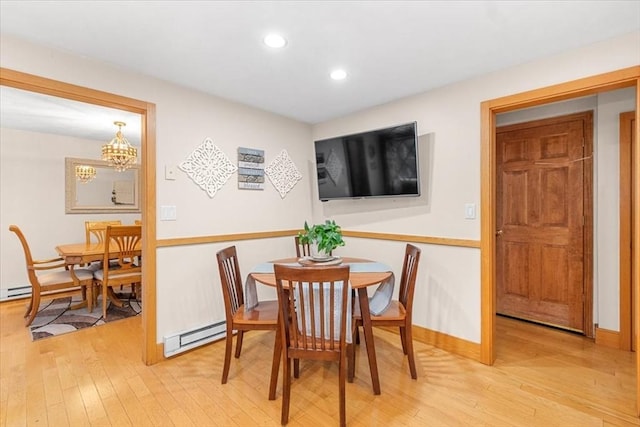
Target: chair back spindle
x,y
302,249
98,230
315,313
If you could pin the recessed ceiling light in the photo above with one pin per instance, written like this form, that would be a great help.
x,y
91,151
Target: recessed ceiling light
x,y
338,74
275,40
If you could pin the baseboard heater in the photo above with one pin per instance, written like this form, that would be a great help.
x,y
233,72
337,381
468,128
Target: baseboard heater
x,y
16,292
187,340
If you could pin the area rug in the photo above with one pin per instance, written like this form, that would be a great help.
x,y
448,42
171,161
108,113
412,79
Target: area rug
x,y
56,318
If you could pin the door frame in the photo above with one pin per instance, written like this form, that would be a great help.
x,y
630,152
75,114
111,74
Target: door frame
x,y
33,83
626,266
627,77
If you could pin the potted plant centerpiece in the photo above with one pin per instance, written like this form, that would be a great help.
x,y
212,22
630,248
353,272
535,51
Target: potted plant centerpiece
x,y
321,238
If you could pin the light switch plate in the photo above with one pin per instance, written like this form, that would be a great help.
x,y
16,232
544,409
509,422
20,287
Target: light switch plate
x,y
170,172
168,213
470,211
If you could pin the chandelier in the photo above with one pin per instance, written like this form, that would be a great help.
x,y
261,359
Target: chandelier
x,y
85,173
119,153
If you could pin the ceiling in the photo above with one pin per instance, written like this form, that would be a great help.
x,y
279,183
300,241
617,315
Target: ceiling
x,y
36,112
389,50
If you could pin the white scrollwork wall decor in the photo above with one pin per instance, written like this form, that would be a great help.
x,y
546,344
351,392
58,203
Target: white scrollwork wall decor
x,y
208,167
282,173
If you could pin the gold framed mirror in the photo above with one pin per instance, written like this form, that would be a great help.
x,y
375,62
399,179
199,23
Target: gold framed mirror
x,y
110,191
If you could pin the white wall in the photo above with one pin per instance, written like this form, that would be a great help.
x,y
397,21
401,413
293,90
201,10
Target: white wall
x,y
32,196
607,205
448,118
184,118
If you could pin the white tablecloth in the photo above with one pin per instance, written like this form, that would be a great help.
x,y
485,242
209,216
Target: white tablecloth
x,y
377,303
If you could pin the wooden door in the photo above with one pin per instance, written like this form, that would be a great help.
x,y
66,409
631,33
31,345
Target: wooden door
x,y
543,195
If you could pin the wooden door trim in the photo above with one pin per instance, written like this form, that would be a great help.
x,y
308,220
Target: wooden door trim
x,y
625,230
47,86
627,77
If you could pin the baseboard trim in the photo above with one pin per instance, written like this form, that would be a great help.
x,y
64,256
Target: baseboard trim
x,y
607,338
449,343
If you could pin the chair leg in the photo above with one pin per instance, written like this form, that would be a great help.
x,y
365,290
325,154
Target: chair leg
x,y
275,365
351,362
296,368
403,339
104,302
96,291
408,339
342,390
30,306
239,343
286,387
35,305
227,354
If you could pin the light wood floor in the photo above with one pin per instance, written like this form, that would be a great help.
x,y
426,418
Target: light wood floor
x,y
542,377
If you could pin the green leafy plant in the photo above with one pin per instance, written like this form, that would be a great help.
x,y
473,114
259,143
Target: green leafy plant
x,y
327,236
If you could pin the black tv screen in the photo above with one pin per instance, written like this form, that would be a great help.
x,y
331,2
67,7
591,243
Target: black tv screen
x,y
377,163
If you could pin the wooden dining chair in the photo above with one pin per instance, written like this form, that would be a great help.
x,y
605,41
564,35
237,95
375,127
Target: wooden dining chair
x,y
399,312
262,317
122,247
315,310
58,280
96,230
302,249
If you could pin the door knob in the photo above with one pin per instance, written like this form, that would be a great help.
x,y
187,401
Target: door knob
x,y
499,233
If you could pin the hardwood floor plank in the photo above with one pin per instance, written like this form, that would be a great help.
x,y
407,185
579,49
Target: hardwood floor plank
x,y
542,377
116,413
76,412
57,415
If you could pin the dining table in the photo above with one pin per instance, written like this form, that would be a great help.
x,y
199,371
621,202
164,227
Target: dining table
x,y
363,274
75,254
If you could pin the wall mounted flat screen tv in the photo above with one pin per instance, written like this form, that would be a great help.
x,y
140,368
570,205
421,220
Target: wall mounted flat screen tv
x,y
376,163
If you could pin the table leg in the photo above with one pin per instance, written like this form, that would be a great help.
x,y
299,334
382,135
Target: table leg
x,y
87,294
368,338
114,298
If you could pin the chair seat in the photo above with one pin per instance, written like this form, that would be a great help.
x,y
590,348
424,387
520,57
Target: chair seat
x,y
99,274
95,266
395,311
266,312
64,276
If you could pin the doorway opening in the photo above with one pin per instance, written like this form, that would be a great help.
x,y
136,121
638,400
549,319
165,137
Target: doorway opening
x,y
544,217
29,82
628,77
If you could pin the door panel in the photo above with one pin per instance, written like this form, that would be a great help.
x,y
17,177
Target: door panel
x,y
541,197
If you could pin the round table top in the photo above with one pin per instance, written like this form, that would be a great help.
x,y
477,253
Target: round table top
x,y
357,279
